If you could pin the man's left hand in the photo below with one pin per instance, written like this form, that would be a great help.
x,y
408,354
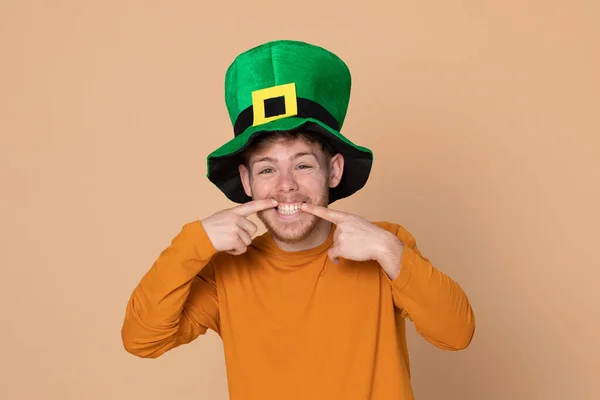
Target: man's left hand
x,y
360,240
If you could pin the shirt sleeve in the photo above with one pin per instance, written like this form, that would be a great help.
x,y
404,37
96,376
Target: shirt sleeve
x,y
176,300
434,302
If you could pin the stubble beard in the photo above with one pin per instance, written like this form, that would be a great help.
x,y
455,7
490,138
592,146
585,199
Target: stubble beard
x,y
298,231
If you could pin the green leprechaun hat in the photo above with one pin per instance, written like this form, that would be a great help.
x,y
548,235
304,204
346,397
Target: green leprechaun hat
x,y
287,85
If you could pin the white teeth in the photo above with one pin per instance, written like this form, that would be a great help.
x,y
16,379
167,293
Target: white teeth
x,y
288,209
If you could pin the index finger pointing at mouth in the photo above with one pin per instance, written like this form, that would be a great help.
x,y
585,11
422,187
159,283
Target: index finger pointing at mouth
x,y
323,212
254,206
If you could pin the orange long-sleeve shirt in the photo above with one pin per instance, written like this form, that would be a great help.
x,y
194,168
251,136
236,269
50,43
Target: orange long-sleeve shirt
x,y
296,325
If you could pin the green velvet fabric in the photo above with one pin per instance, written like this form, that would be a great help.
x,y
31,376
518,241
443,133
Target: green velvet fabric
x,y
319,76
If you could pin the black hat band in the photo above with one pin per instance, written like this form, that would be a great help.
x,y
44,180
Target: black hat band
x,y
276,106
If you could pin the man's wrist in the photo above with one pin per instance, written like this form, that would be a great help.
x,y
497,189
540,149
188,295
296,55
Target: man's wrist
x,y
390,256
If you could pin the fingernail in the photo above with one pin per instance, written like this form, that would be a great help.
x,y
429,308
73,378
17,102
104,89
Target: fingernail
x,y
274,201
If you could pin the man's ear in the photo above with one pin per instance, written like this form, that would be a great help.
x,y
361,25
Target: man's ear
x,y
245,177
336,170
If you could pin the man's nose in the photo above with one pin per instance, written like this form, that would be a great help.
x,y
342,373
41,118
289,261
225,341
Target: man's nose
x,y
287,182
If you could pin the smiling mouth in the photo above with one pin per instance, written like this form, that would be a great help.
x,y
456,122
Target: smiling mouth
x,y
289,208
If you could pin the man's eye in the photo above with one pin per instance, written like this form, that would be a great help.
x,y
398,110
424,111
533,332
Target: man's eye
x,y
266,171
303,166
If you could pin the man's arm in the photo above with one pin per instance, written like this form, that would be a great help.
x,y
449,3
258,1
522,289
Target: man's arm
x,y
435,303
176,300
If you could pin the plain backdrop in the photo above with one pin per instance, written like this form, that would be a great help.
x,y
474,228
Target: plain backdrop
x,y
483,117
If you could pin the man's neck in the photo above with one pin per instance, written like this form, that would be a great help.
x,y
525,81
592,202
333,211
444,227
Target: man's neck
x,y
317,237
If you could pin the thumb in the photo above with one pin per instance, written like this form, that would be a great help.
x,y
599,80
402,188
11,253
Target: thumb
x,y
334,254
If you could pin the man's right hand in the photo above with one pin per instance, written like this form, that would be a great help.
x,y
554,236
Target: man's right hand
x,y
230,230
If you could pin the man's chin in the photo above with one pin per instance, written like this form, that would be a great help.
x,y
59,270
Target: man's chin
x,y
290,232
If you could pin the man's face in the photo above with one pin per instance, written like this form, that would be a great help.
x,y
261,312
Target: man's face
x,y
291,172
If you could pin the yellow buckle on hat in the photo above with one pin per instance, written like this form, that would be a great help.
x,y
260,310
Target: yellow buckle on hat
x,y
287,91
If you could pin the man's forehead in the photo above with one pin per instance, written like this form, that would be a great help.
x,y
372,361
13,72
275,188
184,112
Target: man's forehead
x,y
284,149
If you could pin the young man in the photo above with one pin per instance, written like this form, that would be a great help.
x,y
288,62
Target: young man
x,y
315,308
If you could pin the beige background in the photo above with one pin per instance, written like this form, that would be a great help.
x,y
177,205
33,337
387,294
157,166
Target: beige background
x,y
484,116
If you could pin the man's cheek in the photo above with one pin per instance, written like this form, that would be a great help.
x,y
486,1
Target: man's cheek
x,y
264,194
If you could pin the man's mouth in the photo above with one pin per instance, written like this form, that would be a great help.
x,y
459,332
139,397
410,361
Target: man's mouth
x,y
288,208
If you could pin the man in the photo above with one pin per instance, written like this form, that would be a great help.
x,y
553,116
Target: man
x,y
315,308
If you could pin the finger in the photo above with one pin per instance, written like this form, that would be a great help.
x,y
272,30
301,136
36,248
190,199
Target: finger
x,y
245,237
326,213
334,255
238,248
254,206
235,252
247,225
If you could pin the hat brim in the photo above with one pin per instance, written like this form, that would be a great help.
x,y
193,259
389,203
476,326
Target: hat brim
x,y
222,164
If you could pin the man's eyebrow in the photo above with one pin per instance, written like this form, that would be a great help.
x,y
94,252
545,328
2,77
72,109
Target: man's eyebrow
x,y
295,156
270,159
298,155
